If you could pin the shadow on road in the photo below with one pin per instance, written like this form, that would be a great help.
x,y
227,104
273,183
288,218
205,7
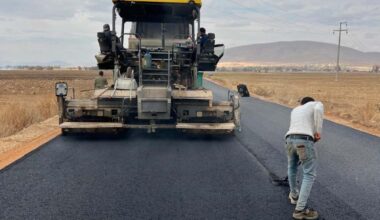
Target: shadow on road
x,y
166,135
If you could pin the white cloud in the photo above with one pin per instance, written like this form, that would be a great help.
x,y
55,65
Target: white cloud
x,y
45,30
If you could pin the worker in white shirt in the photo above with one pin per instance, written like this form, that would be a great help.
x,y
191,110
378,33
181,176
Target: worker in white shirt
x,y
305,130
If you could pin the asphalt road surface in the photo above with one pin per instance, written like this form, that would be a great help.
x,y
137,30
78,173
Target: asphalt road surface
x,y
170,175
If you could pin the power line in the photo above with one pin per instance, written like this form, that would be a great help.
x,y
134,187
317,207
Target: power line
x,y
339,42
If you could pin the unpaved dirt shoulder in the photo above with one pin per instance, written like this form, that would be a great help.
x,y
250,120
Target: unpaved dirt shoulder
x,y
16,146
329,117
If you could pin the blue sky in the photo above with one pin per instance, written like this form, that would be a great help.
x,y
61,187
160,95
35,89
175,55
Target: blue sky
x,y
65,30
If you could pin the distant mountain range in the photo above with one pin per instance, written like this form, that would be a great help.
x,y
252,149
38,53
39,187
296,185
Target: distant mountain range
x,y
291,52
299,52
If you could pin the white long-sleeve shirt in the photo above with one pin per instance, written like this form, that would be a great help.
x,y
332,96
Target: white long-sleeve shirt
x,y
306,119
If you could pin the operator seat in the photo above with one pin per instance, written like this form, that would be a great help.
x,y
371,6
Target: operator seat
x,y
209,45
207,58
105,43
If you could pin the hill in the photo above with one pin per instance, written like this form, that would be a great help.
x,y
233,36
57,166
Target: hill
x,y
299,52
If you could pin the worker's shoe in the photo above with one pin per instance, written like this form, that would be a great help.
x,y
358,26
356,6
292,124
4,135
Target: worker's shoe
x,y
307,214
293,200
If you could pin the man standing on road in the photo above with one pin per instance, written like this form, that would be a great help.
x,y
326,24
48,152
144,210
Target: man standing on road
x,y
100,82
305,129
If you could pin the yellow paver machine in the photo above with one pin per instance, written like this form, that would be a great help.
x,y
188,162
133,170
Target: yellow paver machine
x,y
157,77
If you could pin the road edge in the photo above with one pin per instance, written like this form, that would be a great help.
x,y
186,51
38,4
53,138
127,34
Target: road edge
x,y
331,118
12,156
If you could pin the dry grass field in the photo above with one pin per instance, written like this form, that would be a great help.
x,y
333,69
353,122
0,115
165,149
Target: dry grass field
x,y
27,97
355,98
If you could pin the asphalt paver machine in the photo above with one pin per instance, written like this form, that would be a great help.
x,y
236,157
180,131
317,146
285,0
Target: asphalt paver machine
x,y
157,77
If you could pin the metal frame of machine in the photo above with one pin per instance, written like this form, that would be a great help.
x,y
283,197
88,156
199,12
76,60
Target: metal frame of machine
x,y
153,87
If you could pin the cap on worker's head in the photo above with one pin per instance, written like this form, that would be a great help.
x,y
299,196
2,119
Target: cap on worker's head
x,y
101,73
306,100
202,30
106,27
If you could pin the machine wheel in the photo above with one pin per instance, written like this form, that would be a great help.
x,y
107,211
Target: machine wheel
x,y
64,132
243,90
119,131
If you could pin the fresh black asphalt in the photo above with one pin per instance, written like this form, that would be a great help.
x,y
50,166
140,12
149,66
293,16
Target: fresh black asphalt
x,y
171,175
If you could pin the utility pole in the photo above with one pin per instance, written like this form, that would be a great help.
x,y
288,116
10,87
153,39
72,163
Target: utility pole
x,y
339,42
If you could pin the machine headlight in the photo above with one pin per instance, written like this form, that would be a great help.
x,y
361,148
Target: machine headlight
x,y
61,89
